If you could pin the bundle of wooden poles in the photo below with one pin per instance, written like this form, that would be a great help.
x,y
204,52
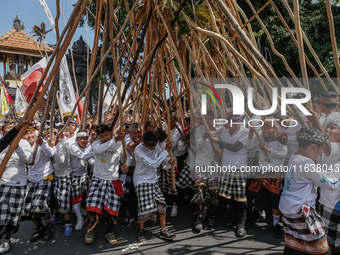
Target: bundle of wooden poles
x,y
163,62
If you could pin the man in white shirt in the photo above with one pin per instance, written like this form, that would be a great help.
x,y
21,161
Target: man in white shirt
x,y
72,132
129,199
151,201
265,192
304,228
12,190
232,183
206,183
62,185
38,194
81,156
105,189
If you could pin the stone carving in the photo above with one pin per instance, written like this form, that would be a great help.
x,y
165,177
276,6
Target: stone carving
x,y
79,49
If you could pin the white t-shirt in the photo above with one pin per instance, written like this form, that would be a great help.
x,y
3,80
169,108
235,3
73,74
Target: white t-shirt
x,y
278,151
79,159
328,119
301,184
331,198
62,159
238,158
15,172
204,150
147,162
292,138
175,136
130,154
106,157
43,164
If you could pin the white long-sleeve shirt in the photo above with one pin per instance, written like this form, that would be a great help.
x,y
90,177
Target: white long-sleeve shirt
x,y
277,155
15,172
43,164
331,198
176,137
106,157
204,151
79,159
62,159
301,184
147,162
238,158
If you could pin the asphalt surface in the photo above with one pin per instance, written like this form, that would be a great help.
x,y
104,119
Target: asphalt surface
x,y
217,241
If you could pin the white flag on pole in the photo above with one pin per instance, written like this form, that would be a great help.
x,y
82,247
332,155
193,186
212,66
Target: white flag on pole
x,y
20,103
66,91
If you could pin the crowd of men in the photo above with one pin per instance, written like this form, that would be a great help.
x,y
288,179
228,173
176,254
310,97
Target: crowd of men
x,y
82,171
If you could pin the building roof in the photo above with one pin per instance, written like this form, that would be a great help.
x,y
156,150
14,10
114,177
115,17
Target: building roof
x,y
18,42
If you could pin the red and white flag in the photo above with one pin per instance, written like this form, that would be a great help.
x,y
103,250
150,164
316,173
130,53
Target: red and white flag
x,y
31,79
8,96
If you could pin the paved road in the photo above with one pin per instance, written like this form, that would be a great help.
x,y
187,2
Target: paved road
x,y
218,241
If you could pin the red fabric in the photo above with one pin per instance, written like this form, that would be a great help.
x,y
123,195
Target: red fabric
x,y
80,109
76,199
8,97
93,209
34,77
112,212
118,187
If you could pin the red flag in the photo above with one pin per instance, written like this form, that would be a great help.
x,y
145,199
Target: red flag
x,y
8,97
31,79
80,109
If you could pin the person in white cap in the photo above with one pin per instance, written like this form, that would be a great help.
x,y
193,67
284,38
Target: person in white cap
x,y
81,156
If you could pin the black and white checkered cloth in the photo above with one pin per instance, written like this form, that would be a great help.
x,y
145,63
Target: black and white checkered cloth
x,y
80,184
165,182
184,179
11,203
331,218
147,195
102,196
298,235
37,199
62,192
233,185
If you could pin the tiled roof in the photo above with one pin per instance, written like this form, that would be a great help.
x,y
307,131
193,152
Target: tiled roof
x,y
20,42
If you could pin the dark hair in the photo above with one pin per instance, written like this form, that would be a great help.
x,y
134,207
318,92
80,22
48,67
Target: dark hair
x,y
102,129
87,126
329,94
316,98
149,136
161,135
187,119
147,124
94,127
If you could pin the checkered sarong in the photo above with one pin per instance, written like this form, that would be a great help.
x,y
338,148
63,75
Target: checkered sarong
x,y
184,179
80,185
11,203
299,237
332,222
233,185
37,199
62,192
147,195
165,182
102,196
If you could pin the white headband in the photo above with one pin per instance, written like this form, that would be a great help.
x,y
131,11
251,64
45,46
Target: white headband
x,y
82,134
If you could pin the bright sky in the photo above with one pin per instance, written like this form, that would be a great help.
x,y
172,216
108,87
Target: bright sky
x,y
31,13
